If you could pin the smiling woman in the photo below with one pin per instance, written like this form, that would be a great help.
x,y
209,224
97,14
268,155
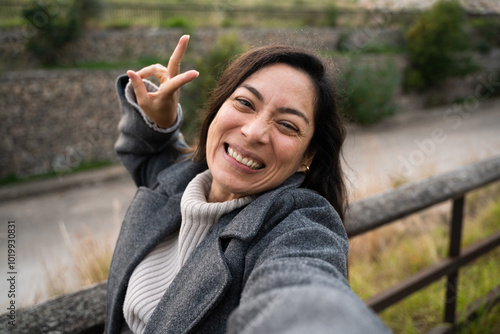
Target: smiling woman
x,y
244,234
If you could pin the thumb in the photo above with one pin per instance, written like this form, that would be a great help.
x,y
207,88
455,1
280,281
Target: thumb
x,y
140,90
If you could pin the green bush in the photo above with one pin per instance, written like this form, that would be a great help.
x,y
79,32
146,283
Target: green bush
x,y
57,25
369,91
347,44
436,45
178,22
343,42
88,9
486,32
332,15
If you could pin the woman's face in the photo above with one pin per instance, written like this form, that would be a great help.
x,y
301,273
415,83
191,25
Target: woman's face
x,y
260,134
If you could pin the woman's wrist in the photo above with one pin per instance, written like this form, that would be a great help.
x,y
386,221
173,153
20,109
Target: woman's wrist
x,y
162,127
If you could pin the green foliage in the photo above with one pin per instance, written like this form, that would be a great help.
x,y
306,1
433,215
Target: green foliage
x,y
343,42
332,15
436,45
328,17
12,178
87,9
369,91
346,44
178,22
57,26
487,322
487,33
210,65
11,22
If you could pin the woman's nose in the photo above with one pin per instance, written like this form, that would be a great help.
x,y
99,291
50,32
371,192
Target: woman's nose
x,y
256,130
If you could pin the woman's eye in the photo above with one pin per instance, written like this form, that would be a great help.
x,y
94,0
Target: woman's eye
x,y
245,103
289,127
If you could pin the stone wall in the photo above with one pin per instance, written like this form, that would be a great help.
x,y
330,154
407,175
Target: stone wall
x,y
54,120
135,43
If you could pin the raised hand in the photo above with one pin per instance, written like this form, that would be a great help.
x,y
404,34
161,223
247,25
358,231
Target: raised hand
x,y
161,106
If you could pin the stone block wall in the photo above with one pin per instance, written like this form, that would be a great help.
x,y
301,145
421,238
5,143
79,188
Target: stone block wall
x,y
113,45
55,120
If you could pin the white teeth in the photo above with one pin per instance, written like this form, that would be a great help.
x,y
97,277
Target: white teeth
x,y
244,161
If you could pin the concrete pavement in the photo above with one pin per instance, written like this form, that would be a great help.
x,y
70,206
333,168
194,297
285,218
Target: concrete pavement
x,y
51,218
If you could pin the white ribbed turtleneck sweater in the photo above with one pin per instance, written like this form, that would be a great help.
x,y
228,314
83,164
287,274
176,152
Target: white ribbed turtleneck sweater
x,y
153,275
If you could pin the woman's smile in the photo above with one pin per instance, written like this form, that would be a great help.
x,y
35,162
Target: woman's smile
x,y
243,158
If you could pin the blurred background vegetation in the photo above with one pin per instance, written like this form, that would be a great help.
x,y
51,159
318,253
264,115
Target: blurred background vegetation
x,y
438,42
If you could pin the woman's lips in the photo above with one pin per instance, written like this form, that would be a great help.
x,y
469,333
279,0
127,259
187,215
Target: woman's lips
x,y
242,159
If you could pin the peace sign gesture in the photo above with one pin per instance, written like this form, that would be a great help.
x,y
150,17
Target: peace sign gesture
x,y
161,106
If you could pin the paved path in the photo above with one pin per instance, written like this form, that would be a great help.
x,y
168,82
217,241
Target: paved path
x,y
419,144
409,146
43,221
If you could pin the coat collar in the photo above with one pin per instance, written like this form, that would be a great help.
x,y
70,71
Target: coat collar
x,y
256,211
176,178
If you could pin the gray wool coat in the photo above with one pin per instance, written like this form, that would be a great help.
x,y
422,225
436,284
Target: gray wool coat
x,y
277,265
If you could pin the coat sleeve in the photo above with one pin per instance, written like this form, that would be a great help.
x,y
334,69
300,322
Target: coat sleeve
x,y
142,148
298,282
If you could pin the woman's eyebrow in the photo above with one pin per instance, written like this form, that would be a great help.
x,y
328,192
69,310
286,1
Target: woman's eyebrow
x,y
292,111
254,91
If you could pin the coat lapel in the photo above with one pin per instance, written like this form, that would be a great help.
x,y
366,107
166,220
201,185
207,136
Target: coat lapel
x,y
152,215
249,221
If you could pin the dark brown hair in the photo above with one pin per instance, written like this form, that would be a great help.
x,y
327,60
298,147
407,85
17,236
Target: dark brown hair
x,y
326,175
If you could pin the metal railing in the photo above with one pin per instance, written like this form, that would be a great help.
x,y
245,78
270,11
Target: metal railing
x,y
373,212
84,310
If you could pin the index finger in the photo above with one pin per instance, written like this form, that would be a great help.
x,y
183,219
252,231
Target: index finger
x,y
174,63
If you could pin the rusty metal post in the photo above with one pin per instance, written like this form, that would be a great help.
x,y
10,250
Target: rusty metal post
x,y
454,251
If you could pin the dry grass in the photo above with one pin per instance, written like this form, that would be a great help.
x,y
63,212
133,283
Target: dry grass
x,y
381,258
89,260
89,264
